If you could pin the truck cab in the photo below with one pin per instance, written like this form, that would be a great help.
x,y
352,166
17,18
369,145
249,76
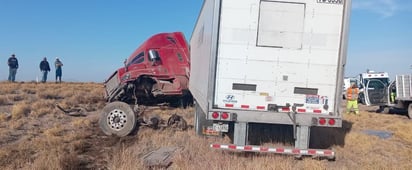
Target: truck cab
x,y
157,71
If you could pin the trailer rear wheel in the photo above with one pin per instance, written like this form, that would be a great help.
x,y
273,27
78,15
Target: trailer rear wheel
x,y
410,110
117,118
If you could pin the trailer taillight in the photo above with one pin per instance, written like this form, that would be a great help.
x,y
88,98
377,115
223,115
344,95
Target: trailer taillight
x,y
215,115
225,115
322,121
331,121
285,109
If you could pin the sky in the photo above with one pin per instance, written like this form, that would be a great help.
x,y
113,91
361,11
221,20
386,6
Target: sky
x,y
93,37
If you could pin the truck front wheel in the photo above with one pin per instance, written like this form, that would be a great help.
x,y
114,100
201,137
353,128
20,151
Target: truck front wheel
x,y
117,118
410,110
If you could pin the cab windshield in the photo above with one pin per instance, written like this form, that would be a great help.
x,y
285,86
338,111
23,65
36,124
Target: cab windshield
x,y
377,84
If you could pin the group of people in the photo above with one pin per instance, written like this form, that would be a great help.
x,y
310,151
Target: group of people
x,y
44,68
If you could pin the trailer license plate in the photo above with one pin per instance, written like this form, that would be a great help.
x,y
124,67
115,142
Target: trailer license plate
x,y
221,127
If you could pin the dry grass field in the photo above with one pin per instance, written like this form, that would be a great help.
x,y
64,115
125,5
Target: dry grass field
x,y
34,134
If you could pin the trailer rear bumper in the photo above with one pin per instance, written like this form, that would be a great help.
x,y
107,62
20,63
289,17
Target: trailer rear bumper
x,y
329,154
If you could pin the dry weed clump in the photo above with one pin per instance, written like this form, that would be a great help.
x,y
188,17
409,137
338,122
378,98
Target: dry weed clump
x,y
81,123
49,94
3,156
20,110
17,124
42,107
88,98
402,130
4,100
18,97
54,131
125,158
9,88
56,158
364,143
29,90
40,112
16,156
4,117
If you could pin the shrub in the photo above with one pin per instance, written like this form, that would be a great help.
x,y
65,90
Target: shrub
x,y
4,100
20,110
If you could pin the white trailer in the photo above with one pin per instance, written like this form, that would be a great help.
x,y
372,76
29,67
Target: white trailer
x,y
269,62
397,94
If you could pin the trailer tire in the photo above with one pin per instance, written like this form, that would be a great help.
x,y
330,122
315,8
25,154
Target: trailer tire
x,y
117,118
386,110
410,111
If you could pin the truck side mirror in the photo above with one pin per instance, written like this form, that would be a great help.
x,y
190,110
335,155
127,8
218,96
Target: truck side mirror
x,y
125,64
154,55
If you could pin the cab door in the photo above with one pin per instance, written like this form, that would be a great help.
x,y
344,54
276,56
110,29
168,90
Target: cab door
x,y
376,93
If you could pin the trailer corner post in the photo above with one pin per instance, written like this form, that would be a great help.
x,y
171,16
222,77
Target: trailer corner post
x,y
303,137
240,134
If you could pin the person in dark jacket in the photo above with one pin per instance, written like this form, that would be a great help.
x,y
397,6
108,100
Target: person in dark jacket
x,y
13,66
44,68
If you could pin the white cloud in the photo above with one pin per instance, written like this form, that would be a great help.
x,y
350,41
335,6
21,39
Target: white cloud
x,y
385,8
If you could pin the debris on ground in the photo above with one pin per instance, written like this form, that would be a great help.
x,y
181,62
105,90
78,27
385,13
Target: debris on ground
x,y
379,133
160,158
77,112
154,121
176,121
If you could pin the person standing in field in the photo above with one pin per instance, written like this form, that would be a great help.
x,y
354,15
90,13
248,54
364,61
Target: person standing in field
x,y
58,64
44,68
352,94
13,66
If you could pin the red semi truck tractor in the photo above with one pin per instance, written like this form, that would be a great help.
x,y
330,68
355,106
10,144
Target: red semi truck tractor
x,y
157,72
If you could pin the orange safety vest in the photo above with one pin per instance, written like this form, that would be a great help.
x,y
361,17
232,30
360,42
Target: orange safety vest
x,y
352,93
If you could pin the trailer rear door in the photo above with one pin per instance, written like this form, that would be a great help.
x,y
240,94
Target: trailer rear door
x,y
279,53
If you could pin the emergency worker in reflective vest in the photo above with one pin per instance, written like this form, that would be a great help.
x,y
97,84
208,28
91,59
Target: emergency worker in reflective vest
x,y
352,94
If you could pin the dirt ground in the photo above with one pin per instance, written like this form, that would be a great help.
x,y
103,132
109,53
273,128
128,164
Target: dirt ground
x,y
34,134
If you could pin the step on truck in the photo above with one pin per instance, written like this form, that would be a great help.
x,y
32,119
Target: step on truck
x,y
397,94
156,72
269,62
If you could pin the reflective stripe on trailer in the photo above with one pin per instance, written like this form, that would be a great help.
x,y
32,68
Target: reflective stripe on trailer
x,y
290,151
244,107
282,109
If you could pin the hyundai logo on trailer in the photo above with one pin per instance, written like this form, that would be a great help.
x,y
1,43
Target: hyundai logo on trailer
x,y
230,99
